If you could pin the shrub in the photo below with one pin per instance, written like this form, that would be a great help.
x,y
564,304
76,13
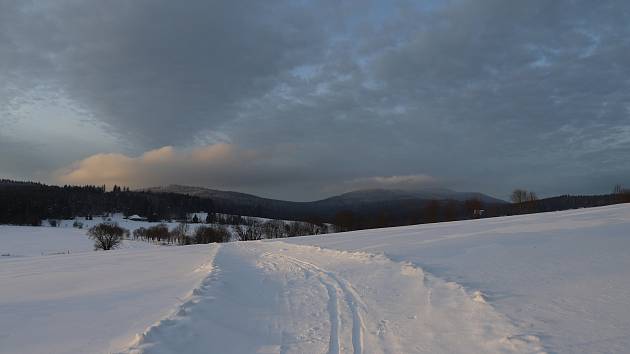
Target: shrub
x,y
205,234
157,233
106,236
179,234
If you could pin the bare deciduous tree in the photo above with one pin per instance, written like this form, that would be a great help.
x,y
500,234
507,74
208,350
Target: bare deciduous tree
x,y
432,212
618,189
179,234
532,197
205,234
106,236
450,210
241,232
524,200
622,195
249,233
473,207
518,196
521,196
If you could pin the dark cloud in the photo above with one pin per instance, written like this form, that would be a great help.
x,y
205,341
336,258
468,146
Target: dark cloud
x,y
21,160
157,70
483,95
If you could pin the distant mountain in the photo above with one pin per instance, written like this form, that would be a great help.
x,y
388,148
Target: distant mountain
x,y
396,206
208,193
379,195
359,196
27,203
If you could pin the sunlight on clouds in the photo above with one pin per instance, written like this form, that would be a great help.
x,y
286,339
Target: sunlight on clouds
x,y
166,153
205,165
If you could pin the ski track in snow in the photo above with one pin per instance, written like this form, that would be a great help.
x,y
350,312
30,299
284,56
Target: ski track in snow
x,y
273,297
495,286
335,287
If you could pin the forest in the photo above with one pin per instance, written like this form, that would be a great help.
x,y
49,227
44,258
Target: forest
x,y
28,203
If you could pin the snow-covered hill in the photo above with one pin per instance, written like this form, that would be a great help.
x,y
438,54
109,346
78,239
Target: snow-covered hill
x,y
556,282
563,276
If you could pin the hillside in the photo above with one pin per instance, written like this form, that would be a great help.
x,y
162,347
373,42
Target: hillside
x,y
358,196
562,276
552,282
24,203
367,206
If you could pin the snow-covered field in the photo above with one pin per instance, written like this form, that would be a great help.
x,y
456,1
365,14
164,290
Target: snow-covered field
x,y
563,276
556,282
93,302
22,241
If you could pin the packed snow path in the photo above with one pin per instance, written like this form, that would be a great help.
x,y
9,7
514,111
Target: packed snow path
x,y
273,297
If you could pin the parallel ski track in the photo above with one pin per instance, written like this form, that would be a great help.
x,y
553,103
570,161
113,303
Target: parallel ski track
x,y
335,287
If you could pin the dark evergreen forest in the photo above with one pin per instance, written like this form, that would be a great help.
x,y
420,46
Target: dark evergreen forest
x,y
28,203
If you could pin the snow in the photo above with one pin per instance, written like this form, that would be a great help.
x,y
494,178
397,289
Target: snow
x,y
554,282
21,241
272,297
114,217
93,302
563,277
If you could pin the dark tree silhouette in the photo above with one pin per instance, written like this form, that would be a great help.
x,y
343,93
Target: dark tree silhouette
x,y
106,236
179,234
450,211
473,207
206,234
432,212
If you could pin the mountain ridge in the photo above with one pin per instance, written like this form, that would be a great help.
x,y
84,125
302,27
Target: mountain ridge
x,y
361,195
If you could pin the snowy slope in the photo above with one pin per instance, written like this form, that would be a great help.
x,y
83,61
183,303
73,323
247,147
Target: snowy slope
x,y
93,302
562,276
556,282
272,297
21,241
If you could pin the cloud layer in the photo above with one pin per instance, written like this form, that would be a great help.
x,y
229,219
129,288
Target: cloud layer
x,y
483,95
224,166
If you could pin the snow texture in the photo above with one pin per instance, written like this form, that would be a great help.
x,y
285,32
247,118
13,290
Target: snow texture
x,y
23,241
93,302
280,298
563,276
555,282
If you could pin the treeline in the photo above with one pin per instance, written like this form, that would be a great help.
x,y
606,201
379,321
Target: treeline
x,y
27,203
564,202
249,230
270,229
409,213
423,212
181,235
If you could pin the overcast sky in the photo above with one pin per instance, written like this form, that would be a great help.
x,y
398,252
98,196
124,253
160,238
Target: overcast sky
x,y
304,99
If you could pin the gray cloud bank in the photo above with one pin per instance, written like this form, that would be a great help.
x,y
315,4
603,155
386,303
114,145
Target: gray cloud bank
x,y
481,95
